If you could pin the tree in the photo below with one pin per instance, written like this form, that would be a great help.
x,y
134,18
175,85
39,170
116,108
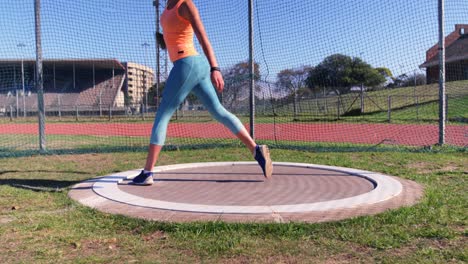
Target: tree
x,y
293,81
128,99
340,72
405,80
236,82
414,79
152,95
385,72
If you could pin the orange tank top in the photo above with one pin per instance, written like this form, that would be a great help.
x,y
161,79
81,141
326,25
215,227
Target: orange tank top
x,y
178,34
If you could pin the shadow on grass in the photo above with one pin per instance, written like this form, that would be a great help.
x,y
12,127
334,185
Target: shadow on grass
x,y
6,153
41,171
38,185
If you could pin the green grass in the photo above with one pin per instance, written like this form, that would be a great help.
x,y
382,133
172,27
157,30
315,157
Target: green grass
x,y
47,227
457,112
420,98
27,145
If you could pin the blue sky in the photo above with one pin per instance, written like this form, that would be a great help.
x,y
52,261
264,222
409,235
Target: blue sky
x,y
288,34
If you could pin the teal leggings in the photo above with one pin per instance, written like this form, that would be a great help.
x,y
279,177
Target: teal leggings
x,y
190,74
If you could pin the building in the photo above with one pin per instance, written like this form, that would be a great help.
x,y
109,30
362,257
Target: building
x,y
456,57
139,80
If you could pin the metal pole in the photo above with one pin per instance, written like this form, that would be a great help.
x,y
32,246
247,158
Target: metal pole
x,y
94,77
21,45
11,113
59,106
100,102
338,102
39,77
389,109
145,45
15,84
74,77
158,68
22,81
362,98
113,78
17,101
55,83
14,76
251,70
442,102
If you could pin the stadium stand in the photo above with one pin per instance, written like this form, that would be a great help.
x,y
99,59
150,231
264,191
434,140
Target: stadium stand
x,y
67,84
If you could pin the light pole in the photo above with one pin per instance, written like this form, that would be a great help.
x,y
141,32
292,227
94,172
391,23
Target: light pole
x,y
145,45
362,88
22,45
158,72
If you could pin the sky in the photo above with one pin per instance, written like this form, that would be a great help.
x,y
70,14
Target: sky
x,y
288,34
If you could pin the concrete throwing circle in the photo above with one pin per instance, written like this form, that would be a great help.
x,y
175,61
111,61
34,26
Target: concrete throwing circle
x,y
239,189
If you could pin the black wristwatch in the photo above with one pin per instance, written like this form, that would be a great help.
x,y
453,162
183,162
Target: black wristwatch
x,y
215,69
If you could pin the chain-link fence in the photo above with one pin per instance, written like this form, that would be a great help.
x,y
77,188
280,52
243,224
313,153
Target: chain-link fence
x,y
336,73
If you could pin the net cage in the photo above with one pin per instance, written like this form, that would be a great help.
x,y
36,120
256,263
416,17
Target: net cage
x,y
352,74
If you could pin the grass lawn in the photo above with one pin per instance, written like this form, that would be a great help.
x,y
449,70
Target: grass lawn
x,y
457,112
40,224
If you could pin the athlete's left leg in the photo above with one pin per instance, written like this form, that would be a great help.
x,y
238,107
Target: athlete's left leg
x,y
206,93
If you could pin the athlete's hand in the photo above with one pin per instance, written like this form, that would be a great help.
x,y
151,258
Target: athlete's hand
x,y
217,80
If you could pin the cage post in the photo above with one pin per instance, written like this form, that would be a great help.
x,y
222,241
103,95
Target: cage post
x,y
417,108
338,103
39,76
158,71
55,81
22,45
17,102
251,70
59,107
362,98
11,113
442,102
389,111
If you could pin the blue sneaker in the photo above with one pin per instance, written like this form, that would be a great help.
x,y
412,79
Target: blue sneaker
x,y
262,156
143,179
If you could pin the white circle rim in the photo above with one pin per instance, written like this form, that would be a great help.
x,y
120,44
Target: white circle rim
x,y
385,188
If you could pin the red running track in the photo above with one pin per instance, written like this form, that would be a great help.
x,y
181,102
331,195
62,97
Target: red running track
x,y
411,135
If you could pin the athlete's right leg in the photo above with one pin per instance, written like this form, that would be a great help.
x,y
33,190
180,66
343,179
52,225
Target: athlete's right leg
x,y
180,82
